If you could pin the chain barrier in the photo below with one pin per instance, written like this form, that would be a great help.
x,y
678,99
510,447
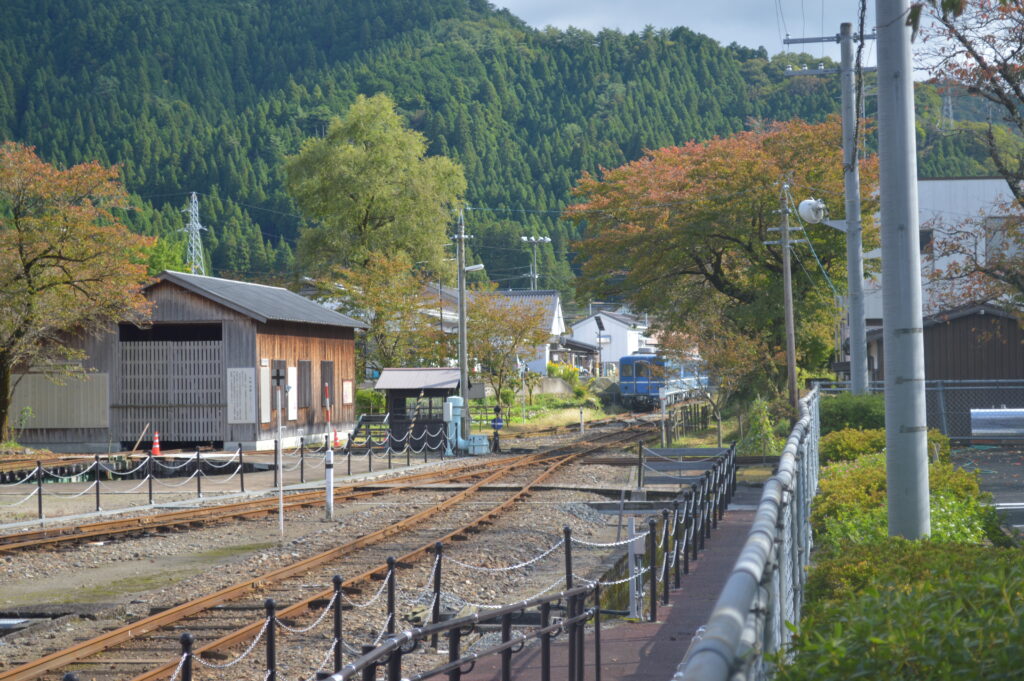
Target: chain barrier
x,y
180,484
215,481
142,482
77,494
181,664
53,474
323,662
173,467
29,476
19,503
124,474
637,572
651,452
517,566
227,462
611,544
496,606
314,625
242,656
380,636
380,592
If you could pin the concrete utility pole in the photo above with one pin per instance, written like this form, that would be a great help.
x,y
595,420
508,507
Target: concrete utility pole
x,y
854,243
460,247
851,173
787,293
902,329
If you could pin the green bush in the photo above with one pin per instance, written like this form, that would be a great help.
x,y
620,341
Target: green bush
x,y
852,486
369,401
567,373
849,443
963,520
912,610
852,411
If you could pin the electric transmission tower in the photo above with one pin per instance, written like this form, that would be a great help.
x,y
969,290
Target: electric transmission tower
x,y
194,256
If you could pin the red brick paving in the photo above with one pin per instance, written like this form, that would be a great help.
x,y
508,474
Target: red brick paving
x,y
649,651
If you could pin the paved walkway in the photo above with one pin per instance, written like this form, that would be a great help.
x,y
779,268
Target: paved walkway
x,y
650,651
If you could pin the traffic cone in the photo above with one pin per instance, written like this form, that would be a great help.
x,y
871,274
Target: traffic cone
x,y
337,442
156,443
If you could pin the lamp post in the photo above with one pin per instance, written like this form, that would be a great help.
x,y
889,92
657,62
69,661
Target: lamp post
x,y
534,240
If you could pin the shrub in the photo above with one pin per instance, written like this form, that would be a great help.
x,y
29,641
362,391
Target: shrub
x,y
911,610
849,443
760,439
853,486
566,372
852,411
954,519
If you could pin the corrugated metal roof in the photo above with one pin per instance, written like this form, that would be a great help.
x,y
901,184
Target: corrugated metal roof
x,y
417,379
262,303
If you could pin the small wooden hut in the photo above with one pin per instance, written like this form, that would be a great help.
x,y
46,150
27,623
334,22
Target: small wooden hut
x,y
206,371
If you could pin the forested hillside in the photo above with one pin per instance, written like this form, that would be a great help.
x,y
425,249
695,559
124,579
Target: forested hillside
x,y
210,95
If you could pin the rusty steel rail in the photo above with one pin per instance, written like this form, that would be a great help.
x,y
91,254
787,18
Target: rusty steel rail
x,y
80,651
75,533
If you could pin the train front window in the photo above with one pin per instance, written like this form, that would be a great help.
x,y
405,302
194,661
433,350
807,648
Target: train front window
x,y
643,370
626,370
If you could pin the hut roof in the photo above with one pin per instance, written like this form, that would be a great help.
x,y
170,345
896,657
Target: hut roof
x,y
418,379
260,302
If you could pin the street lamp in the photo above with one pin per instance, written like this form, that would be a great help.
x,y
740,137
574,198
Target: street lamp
x,y
463,352
534,240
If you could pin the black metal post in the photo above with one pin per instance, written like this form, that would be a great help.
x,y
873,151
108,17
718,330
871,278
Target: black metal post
x,y
395,665
277,463
652,563
186,650
545,642
348,451
39,487
687,535
454,638
199,474
271,639
370,672
369,454
389,456
241,469
664,556
570,613
97,462
338,648
391,595
706,522
571,604
408,452
435,610
639,464
597,632
567,540
675,540
581,631
302,459
506,654
149,476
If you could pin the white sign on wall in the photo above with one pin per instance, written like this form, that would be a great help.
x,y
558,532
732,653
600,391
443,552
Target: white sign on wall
x,y
346,392
293,394
264,393
242,395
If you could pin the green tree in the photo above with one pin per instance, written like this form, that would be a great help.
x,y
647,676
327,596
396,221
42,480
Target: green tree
x,y
369,187
68,266
390,297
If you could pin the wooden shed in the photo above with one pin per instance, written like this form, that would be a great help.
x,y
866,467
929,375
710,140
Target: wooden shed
x,y
204,373
975,342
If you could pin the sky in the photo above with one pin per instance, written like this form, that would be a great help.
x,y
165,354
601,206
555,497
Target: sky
x,y
753,23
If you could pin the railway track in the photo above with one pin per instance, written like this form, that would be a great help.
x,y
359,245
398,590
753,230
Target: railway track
x,y
48,537
129,652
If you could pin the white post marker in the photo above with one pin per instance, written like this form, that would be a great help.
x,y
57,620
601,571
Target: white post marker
x,y
581,420
634,608
329,482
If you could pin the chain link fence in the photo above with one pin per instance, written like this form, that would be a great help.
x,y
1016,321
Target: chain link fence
x,y
949,403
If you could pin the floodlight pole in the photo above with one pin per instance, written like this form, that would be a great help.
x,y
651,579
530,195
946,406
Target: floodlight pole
x,y
460,244
906,422
787,294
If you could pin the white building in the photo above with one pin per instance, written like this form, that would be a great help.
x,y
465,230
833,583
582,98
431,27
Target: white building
x,y
623,334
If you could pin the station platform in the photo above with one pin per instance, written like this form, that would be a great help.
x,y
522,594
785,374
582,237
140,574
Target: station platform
x,y
649,651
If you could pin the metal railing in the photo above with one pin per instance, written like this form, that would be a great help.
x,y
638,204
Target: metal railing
x,y
765,590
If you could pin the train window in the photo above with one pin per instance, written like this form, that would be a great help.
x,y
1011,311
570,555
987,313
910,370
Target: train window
x,y
626,370
643,370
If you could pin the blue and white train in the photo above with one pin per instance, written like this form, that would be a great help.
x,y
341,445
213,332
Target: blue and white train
x,y
642,375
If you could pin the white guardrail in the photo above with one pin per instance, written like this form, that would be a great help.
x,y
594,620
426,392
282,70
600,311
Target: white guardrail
x,y
765,589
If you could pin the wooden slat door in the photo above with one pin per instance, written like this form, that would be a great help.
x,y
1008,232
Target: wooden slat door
x,y
176,387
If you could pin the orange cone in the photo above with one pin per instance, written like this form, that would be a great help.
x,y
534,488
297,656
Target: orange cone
x,y
156,443
337,442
